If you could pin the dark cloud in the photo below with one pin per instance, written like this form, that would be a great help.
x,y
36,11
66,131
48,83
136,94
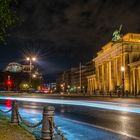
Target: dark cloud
x,y
69,31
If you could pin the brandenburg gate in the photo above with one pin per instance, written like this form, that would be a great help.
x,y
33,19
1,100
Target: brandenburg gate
x,y
117,66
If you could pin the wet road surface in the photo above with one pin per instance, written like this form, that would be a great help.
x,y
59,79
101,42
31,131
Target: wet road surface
x,y
83,118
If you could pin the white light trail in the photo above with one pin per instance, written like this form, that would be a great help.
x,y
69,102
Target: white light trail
x,y
132,108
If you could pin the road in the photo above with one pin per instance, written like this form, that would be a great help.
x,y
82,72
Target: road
x,y
81,119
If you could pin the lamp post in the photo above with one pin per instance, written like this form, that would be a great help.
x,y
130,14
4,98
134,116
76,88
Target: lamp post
x,y
123,70
31,60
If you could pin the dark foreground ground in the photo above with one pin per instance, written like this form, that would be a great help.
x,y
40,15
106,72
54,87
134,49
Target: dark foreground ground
x,y
9,131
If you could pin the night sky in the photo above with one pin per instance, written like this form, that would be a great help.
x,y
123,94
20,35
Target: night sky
x,y
63,33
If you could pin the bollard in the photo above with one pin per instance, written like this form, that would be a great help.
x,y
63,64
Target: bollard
x,y
14,115
47,123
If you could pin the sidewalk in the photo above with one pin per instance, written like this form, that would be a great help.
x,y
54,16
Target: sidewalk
x,y
13,132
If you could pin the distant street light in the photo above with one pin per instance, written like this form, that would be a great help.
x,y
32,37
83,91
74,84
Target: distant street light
x,y
34,75
31,59
34,58
27,58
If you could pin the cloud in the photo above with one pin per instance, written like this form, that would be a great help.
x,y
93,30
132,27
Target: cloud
x,y
72,30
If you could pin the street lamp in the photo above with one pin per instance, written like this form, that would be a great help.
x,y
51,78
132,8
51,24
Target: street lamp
x,y
31,59
34,58
34,75
123,70
62,87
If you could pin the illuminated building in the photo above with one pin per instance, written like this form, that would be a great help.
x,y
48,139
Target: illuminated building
x,y
75,79
16,76
109,75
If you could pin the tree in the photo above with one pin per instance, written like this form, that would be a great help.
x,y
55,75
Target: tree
x,y
7,17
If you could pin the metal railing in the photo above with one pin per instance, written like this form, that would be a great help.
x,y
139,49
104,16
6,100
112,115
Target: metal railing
x,y
59,134
49,130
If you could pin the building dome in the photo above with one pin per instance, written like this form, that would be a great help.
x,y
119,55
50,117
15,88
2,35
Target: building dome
x,y
14,67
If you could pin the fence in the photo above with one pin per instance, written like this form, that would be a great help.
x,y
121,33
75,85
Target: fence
x,y
48,125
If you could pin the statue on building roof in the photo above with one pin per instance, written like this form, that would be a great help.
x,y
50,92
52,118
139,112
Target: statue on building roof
x,y
117,36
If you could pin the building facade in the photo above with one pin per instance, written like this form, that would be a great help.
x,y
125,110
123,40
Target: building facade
x,y
117,67
17,76
75,79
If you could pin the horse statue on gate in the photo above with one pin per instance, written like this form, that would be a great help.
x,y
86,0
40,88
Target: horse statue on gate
x,y
117,36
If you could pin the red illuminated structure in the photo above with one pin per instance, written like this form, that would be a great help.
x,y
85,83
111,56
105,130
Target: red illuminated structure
x,y
9,83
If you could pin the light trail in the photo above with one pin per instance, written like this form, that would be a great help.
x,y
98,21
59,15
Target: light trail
x,y
132,108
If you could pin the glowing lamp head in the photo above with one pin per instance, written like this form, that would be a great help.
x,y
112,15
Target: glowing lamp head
x,y
122,68
34,76
27,58
79,87
62,85
34,59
